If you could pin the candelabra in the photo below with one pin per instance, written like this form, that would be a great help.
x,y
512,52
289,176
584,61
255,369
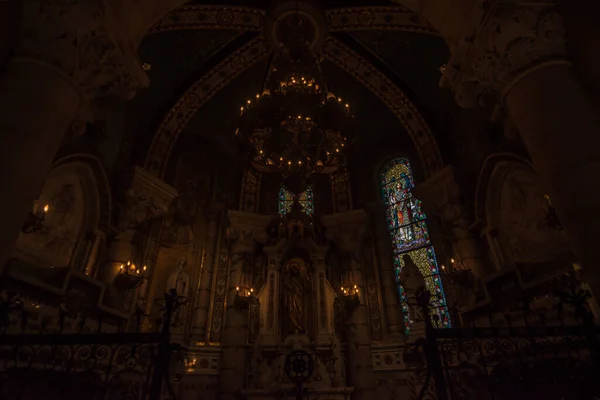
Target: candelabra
x,y
244,296
350,298
130,276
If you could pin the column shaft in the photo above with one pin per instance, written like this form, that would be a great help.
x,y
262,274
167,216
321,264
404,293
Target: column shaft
x,y
232,368
206,278
389,287
358,338
37,107
561,133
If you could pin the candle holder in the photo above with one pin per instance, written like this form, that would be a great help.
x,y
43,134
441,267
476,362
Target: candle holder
x,y
35,219
244,296
130,276
350,298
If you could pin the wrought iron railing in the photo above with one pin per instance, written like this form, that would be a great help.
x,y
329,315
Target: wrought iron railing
x,y
518,360
90,366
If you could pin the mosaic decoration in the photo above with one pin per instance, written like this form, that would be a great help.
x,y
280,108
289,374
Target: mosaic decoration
x,y
286,199
408,231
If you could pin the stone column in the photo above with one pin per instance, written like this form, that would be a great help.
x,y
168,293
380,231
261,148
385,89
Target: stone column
x,y
269,299
69,54
347,230
389,286
145,197
206,275
244,231
520,54
441,194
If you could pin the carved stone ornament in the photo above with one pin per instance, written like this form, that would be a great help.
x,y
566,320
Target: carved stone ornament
x,y
441,194
84,41
512,39
246,229
146,197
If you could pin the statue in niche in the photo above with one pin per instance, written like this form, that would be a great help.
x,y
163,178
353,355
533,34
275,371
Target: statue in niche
x,y
296,287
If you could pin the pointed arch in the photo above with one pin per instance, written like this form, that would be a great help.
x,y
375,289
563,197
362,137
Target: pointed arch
x,y
407,226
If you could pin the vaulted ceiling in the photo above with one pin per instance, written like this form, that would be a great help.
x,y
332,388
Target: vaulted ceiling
x,y
394,47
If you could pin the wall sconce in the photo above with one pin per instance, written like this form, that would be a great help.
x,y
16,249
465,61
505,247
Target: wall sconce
x,y
244,291
130,268
244,296
35,219
130,276
350,290
350,299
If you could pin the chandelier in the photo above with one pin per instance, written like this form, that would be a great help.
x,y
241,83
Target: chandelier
x,y
295,127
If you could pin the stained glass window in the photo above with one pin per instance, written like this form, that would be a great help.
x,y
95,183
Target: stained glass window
x,y
286,199
409,235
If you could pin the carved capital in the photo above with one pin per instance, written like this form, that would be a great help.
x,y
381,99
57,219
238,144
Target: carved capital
x,y
146,197
246,229
441,194
83,41
513,38
347,230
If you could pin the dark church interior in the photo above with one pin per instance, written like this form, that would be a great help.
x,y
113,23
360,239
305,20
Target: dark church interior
x,y
318,200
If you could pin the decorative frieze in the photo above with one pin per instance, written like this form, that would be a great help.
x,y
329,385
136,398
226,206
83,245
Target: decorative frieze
x,y
513,38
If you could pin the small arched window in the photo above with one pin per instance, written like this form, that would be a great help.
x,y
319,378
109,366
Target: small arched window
x,y
409,235
286,199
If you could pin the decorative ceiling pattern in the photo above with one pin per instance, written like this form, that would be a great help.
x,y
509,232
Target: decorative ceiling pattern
x,y
211,17
251,19
377,18
376,69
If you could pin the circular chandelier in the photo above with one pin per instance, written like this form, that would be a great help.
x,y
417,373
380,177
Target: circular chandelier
x,y
295,126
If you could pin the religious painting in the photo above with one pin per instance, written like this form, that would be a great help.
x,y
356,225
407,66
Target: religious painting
x,y
407,226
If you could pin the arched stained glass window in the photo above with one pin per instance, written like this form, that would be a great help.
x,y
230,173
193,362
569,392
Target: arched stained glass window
x,y
286,199
408,231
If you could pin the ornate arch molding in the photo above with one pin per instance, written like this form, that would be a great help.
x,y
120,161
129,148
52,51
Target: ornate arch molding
x,y
391,18
195,97
392,97
101,182
486,177
255,50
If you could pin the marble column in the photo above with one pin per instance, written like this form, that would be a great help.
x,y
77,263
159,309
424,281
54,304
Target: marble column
x,y
206,276
68,55
389,287
520,56
442,195
244,231
347,231
145,197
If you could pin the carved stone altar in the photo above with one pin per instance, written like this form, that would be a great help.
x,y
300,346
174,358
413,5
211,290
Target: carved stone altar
x,y
296,312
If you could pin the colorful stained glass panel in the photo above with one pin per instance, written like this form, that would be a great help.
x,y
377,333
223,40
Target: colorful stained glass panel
x,y
409,235
286,200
